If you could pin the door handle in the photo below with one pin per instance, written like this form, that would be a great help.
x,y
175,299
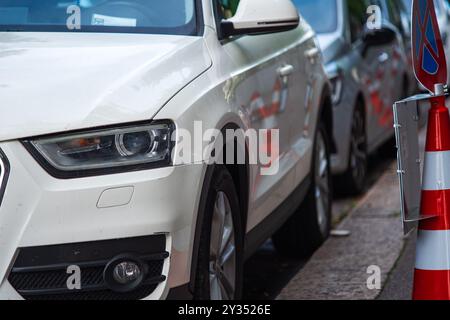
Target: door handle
x,y
382,58
312,53
285,71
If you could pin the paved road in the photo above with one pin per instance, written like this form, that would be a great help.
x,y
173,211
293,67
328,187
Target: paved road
x,y
267,273
399,283
338,270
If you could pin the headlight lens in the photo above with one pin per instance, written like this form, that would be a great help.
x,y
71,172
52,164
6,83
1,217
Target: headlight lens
x,y
106,151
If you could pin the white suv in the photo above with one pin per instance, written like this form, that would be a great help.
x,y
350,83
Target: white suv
x,y
101,196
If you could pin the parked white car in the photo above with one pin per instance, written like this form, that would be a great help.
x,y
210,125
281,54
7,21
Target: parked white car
x,y
98,199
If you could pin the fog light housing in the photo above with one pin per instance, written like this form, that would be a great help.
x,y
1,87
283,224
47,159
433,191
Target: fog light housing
x,y
125,273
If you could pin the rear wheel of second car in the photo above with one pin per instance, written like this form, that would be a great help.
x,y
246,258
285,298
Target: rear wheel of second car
x,y
353,180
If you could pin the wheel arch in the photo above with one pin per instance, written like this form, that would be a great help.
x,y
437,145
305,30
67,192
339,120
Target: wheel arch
x,y
326,115
240,175
360,102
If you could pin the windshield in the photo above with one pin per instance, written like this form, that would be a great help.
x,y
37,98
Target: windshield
x,y
320,14
136,16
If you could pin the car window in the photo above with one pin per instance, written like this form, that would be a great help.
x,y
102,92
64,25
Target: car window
x,y
407,5
394,13
357,17
144,16
309,9
404,18
228,8
438,6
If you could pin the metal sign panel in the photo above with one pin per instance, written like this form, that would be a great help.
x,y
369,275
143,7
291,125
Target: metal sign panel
x,y
407,116
430,66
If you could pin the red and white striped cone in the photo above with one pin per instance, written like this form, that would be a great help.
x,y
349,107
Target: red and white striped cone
x,y
432,271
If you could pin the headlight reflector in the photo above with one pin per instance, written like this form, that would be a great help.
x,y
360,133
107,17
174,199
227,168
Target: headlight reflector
x,y
117,149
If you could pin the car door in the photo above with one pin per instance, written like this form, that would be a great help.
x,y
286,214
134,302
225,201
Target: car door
x,y
372,70
303,94
395,77
268,87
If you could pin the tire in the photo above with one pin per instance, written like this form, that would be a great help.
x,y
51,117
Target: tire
x,y
310,225
220,278
353,181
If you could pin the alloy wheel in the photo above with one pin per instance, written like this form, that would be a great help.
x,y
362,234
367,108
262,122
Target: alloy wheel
x,y
322,184
358,155
222,261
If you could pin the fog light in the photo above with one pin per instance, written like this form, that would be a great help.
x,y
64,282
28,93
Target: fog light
x,y
125,273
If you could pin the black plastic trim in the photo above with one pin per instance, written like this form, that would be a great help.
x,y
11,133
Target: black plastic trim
x,y
98,263
67,254
7,169
62,174
38,292
227,28
149,251
243,199
180,293
200,19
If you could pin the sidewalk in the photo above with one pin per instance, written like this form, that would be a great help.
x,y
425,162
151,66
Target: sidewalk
x,y
338,270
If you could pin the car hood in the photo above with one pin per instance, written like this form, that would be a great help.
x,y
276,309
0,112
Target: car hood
x,y
54,82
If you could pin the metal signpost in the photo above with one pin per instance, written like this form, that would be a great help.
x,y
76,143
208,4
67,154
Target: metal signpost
x,y
430,68
407,118
426,204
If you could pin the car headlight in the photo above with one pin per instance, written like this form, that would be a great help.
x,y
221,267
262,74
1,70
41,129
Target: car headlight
x,y
104,151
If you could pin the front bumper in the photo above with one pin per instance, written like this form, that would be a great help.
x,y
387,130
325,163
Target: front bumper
x,y
39,210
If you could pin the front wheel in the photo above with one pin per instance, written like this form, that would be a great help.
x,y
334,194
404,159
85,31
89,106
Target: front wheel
x,y
310,225
220,256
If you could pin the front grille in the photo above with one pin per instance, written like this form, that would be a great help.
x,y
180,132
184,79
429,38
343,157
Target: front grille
x,y
35,278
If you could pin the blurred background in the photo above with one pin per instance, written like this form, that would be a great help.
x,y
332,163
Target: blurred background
x,y
366,206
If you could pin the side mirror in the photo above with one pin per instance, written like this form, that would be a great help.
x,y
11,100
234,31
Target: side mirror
x,y
379,37
259,17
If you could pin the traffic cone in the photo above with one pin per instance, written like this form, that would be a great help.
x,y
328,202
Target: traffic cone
x,y
432,271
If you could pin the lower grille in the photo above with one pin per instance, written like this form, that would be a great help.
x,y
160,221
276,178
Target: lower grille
x,y
106,295
37,279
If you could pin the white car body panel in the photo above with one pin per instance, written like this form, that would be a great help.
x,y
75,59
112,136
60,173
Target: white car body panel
x,y
90,79
107,79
